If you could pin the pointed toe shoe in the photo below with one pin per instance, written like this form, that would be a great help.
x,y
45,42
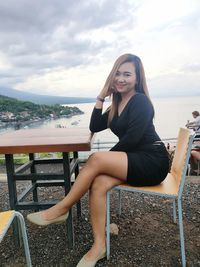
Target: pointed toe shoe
x,y
38,219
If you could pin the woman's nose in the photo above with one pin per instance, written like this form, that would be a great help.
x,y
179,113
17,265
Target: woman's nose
x,y
120,78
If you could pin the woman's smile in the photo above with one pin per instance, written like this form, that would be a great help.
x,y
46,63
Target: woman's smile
x,y
120,85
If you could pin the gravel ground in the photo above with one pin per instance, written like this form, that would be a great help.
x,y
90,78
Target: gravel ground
x,y
147,235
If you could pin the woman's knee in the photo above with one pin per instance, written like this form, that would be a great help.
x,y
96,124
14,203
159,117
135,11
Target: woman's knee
x,y
95,159
103,183
99,185
195,154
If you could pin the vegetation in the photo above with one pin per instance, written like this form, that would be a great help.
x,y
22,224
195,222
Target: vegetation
x,y
21,111
23,158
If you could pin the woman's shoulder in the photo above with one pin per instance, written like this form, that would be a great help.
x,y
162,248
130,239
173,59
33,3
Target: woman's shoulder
x,y
140,98
141,102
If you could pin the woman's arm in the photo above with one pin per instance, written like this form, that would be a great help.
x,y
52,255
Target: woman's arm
x,y
98,121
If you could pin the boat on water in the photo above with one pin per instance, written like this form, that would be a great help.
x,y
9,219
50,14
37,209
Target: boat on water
x,y
60,126
74,123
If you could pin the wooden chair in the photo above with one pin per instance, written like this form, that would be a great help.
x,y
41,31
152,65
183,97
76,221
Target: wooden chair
x,y
6,219
171,187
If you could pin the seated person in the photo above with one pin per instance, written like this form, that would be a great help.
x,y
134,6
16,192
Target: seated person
x,y
139,157
195,125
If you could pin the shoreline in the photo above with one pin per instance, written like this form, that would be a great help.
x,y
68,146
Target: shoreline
x,y
11,126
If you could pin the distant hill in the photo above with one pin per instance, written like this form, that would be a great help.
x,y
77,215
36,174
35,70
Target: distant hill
x,y
13,110
43,99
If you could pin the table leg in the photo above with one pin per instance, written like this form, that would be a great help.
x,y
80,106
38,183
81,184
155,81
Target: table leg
x,y
67,182
33,170
78,205
11,182
12,190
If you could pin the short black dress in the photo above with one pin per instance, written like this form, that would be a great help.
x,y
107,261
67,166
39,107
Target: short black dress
x,y
148,161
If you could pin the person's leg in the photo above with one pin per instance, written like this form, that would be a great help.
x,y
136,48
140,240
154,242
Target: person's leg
x,y
195,156
111,163
97,200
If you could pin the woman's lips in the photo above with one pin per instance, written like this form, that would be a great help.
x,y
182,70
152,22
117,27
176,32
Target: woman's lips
x,y
120,86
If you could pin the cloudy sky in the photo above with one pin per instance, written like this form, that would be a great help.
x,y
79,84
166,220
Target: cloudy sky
x,y
67,47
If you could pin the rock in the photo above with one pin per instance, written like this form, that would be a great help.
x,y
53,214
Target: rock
x,y
138,220
114,230
147,233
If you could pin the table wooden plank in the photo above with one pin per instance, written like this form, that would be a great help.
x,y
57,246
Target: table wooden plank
x,y
46,140
47,132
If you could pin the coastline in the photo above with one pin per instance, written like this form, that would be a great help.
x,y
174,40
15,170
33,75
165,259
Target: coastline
x,y
171,113
13,126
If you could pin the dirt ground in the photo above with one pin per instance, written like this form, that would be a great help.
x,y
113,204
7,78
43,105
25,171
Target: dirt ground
x,y
147,235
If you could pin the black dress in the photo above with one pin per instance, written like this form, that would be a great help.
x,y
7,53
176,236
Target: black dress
x,y
148,161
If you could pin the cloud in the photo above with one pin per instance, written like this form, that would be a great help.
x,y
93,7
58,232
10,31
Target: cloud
x,y
175,83
191,68
53,28
61,46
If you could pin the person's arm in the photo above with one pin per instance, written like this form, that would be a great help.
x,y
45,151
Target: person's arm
x,y
140,115
195,125
192,123
98,121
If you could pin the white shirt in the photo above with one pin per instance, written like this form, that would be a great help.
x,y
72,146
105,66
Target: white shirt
x,y
197,122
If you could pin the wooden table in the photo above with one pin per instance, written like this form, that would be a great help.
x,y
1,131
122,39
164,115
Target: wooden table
x,y
31,141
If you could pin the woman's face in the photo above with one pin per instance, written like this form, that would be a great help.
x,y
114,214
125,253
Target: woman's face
x,y
125,78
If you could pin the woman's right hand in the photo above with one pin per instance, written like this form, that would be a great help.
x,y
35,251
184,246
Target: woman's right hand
x,y
103,94
106,91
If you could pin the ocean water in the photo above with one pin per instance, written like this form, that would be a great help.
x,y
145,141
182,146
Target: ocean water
x,y
171,113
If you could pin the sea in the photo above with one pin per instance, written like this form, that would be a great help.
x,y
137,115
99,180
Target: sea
x,y
171,113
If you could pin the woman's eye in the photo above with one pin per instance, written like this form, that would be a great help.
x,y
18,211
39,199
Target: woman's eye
x,y
127,74
117,74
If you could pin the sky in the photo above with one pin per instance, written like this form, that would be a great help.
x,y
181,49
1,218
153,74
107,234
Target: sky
x,y
68,47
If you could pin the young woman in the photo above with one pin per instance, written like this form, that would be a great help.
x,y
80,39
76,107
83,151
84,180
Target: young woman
x,y
139,158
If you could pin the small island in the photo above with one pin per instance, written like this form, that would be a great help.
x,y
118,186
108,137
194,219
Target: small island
x,y
15,113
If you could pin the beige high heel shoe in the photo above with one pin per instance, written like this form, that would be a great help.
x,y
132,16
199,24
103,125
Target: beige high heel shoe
x,y
37,218
84,263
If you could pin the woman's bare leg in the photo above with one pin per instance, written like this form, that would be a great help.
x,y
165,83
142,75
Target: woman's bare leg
x,y
98,190
111,163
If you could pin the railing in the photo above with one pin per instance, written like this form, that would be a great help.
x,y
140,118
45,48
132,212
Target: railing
x,y
98,145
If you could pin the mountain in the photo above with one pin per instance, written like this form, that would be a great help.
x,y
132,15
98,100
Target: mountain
x,y
43,99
